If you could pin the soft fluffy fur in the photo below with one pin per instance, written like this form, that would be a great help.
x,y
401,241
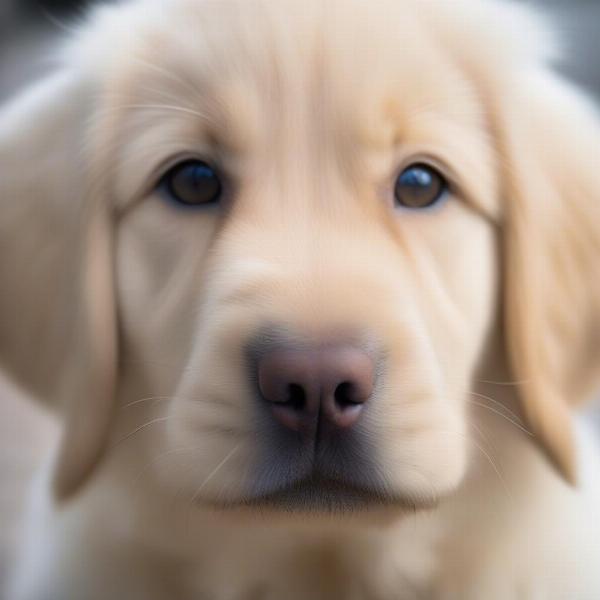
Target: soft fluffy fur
x,y
132,316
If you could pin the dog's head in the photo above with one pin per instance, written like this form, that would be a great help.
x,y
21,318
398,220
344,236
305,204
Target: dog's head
x,y
299,227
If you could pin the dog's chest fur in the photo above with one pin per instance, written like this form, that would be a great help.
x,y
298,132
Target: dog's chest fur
x,y
349,565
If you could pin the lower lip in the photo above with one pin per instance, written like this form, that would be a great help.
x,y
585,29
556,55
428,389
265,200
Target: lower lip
x,y
326,496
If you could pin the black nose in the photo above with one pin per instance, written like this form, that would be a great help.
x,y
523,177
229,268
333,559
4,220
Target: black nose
x,y
327,386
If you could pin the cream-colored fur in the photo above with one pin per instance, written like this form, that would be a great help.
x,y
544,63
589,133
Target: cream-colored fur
x,y
131,316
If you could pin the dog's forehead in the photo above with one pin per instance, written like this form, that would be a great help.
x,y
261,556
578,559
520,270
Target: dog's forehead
x,y
351,57
279,83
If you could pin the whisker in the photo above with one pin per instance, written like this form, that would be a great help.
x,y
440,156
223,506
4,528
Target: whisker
x,y
159,458
479,431
209,398
488,457
496,470
208,478
145,426
501,405
149,399
215,471
497,412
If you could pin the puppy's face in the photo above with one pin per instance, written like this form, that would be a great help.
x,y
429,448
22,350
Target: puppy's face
x,y
271,232
305,250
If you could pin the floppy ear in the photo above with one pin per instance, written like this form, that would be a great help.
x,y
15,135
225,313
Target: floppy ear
x,y
57,318
550,149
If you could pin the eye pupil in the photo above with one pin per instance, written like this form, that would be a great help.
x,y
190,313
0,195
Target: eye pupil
x,y
193,183
419,186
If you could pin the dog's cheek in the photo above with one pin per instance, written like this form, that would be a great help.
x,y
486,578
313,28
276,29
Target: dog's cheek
x,y
454,258
212,432
420,424
161,256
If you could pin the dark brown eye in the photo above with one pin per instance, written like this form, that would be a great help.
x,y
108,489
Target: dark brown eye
x,y
419,186
193,183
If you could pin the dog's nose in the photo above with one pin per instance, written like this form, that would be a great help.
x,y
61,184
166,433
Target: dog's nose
x,y
327,386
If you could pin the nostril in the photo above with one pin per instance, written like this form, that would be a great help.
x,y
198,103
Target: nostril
x,y
296,397
346,395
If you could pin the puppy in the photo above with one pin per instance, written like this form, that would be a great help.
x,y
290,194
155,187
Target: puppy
x,y
314,287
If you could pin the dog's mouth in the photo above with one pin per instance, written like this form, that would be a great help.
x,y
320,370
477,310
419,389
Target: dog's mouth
x,y
316,494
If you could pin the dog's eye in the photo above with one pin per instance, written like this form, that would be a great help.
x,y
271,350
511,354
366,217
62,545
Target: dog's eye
x,y
193,183
419,186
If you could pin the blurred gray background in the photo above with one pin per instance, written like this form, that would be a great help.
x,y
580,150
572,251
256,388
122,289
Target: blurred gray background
x,y
28,29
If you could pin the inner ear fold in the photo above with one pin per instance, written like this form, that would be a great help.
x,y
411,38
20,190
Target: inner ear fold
x,y
549,144
57,318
